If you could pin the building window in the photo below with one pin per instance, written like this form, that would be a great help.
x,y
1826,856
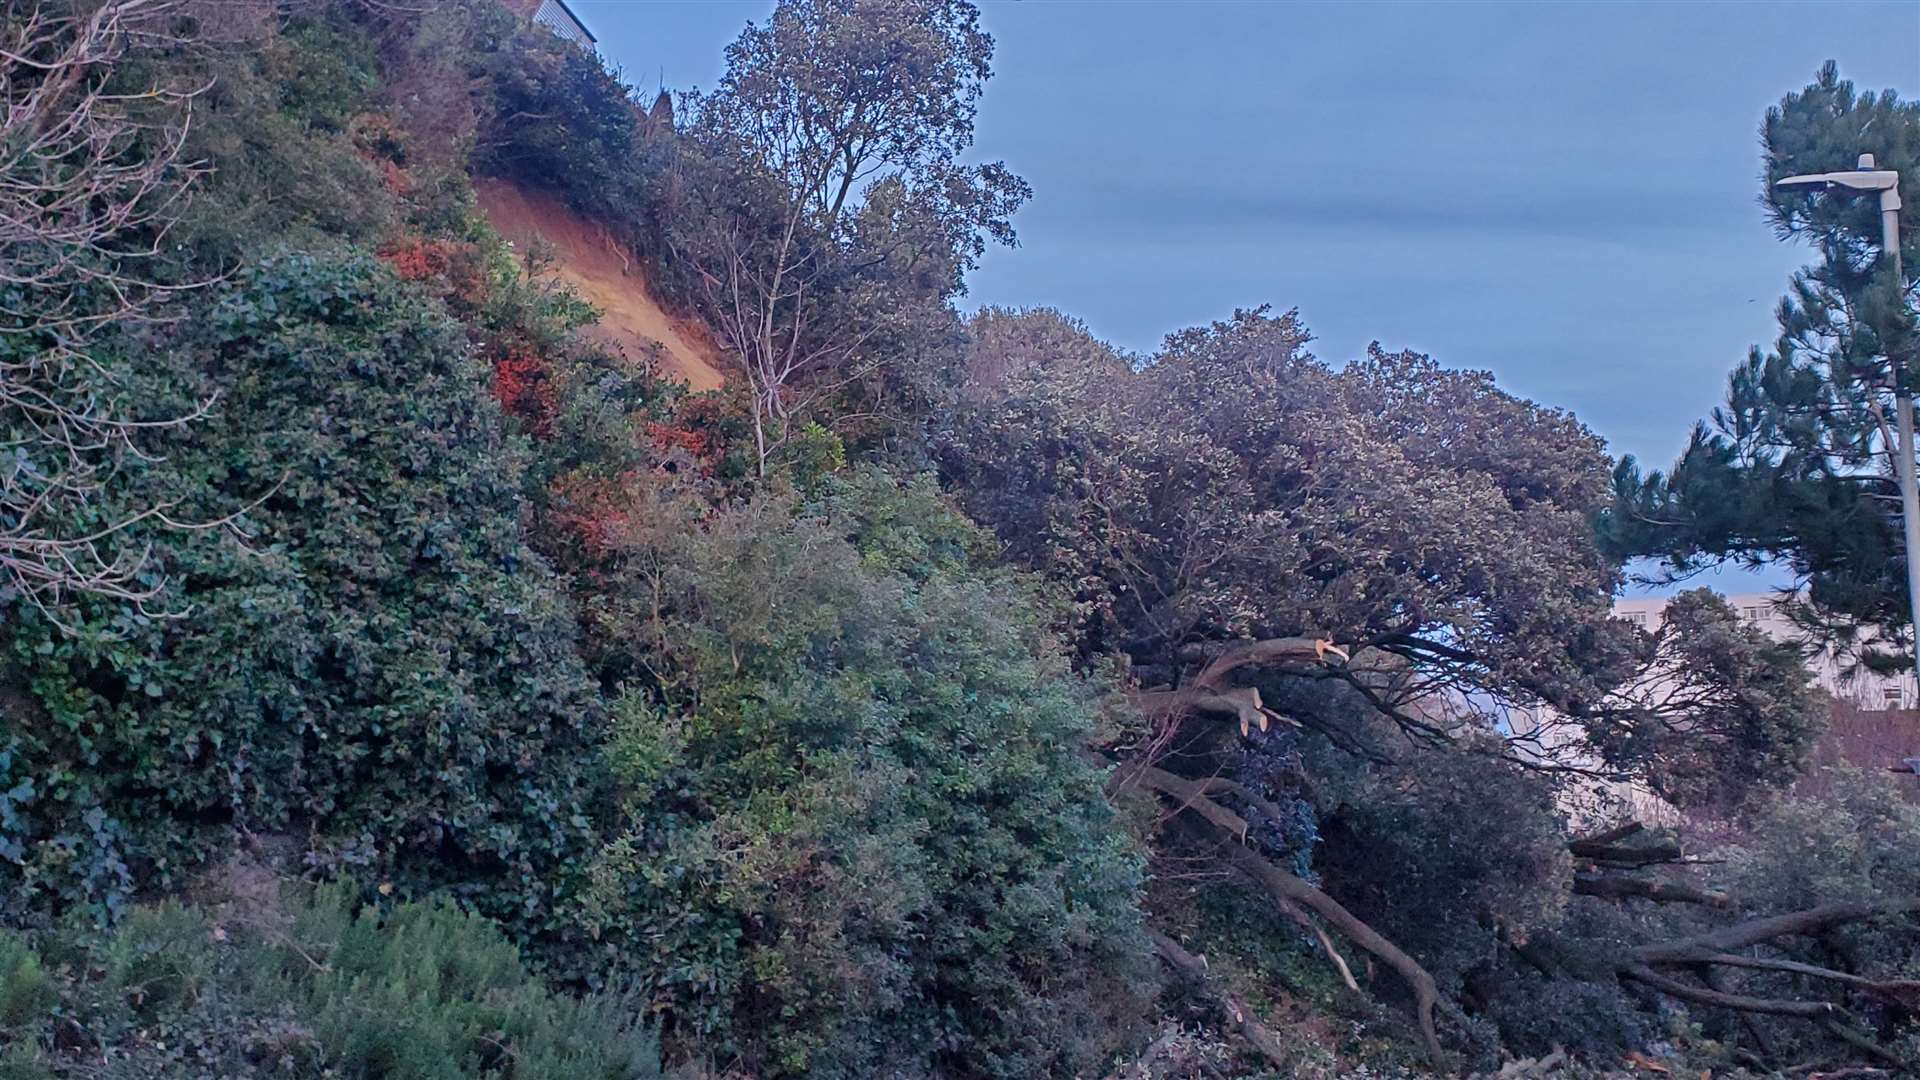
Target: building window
x,y
1754,613
1895,698
1637,618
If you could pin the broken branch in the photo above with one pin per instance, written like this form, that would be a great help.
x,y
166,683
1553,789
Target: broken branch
x,y
1195,969
1621,888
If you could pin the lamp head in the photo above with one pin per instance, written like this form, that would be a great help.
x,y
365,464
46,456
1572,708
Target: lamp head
x,y
1866,178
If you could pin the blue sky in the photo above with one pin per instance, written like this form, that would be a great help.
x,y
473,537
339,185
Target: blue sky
x,y
1563,194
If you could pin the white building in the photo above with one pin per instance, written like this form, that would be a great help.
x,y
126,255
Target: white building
x,y
556,16
1863,690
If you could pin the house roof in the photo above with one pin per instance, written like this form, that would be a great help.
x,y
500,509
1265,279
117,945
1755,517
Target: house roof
x,y
577,20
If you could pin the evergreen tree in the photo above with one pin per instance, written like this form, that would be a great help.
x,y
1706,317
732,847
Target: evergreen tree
x,y
1799,465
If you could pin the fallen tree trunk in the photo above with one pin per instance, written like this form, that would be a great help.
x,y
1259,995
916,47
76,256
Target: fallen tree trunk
x,y
1267,651
1195,969
1625,857
1210,689
1888,988
1740,935
1607,838
1700,995
1287,889
1720,948
1192,795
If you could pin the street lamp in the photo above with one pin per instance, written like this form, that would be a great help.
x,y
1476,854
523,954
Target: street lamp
x,y
1864,178
1887,182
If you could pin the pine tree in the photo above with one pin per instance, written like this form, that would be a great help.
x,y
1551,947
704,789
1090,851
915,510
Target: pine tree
x,y
1798,467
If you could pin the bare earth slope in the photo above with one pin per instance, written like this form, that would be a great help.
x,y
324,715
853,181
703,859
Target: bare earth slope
x,y
588,260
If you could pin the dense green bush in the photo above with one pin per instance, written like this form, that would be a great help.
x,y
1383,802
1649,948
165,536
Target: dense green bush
x,y
273,129
862,838
313,987
1445,857
366,657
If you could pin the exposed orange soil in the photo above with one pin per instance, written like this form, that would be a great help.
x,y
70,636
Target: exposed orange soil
x,y
587,258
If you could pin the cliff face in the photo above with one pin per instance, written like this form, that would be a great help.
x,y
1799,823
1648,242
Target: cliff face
x,y
589,260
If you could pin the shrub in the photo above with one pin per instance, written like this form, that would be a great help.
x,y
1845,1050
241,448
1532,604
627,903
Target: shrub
x,y
316,987
1446,854
588,145
862,838
273,126
369,658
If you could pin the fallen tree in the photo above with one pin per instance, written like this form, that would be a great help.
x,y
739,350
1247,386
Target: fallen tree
x,y
1292,893
1662,966
1391,560
1716,948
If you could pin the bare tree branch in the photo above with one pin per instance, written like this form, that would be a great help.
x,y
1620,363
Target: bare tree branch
x,y
88,189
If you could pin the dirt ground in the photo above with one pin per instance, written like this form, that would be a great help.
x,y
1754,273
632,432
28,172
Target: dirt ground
x,y
586,258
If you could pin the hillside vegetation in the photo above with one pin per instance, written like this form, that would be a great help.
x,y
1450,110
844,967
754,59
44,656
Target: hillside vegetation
x,y
585,258
401,678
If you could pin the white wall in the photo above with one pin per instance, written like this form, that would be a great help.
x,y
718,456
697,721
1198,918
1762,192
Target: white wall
x,y
1866,691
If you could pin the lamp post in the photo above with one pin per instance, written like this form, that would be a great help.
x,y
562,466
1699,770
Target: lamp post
x,y
1887,182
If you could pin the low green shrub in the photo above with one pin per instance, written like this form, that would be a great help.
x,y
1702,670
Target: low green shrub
x,y
316,986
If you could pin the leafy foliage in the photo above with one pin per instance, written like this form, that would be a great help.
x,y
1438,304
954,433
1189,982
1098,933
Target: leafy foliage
x,y
1848,847
373,659
1234,487
831,94
1005,348
276,123
828,219
317,986
1725,710
1448,856
847,696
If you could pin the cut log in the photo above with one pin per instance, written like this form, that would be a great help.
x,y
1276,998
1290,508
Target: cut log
x,y
1622,888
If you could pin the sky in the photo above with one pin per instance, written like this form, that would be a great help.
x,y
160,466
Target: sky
x,y
1564,194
